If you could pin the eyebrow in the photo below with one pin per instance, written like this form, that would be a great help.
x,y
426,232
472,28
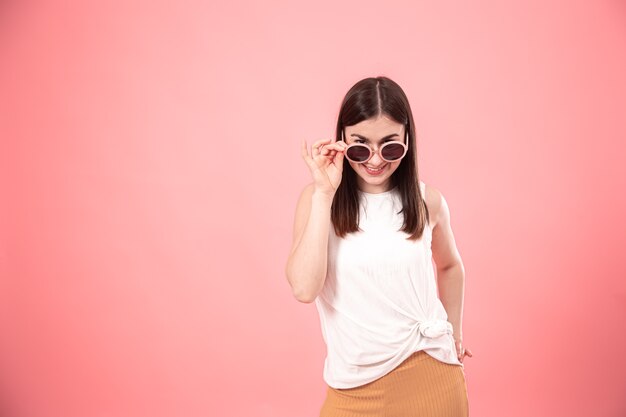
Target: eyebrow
x,y
364,138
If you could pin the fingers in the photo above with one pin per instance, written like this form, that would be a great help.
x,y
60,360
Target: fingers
x,y
466,352
338,159
325,147
304,151
331,149
320,142
317,158
317,146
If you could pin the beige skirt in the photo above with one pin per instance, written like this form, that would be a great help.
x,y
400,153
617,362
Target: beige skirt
x,y
420,386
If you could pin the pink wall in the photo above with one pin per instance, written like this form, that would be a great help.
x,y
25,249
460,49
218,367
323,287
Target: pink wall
x,y
151,164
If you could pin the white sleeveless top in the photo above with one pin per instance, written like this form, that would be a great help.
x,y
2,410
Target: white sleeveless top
x,y
379,302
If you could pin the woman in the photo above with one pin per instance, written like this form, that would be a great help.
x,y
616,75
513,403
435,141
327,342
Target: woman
x,y
365,234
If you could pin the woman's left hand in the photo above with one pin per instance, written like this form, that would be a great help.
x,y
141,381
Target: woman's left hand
x,y
461,351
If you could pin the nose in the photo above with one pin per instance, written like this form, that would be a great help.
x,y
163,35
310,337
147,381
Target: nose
x,y
376,160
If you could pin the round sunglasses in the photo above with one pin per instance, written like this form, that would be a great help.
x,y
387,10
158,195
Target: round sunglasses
x,y
361,153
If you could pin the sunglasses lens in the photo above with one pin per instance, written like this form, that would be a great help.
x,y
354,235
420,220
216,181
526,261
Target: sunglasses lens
x,y
358,153
393,151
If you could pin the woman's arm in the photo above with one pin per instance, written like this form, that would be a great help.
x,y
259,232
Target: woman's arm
x,y
307,264
450,269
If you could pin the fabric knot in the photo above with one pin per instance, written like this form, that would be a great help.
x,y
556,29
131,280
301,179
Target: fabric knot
x,y
435,327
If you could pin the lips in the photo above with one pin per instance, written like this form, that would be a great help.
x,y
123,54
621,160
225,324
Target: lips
x,y
374,171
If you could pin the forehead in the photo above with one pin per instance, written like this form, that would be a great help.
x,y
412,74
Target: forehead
x,y
375,128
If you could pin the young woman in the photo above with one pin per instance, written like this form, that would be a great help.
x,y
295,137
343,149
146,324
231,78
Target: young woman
x,y
366,231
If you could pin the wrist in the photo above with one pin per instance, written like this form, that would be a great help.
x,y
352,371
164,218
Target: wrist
x,y
321,195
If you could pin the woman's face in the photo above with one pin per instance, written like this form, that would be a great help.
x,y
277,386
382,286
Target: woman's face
x,y
375,132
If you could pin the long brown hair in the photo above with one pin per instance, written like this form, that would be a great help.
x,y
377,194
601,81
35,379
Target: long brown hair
x,y
373,97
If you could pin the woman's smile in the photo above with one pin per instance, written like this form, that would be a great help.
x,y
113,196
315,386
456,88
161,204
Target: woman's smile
x,y
375,171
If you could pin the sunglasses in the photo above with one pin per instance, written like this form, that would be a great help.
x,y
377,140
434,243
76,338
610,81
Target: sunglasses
x,y
361,153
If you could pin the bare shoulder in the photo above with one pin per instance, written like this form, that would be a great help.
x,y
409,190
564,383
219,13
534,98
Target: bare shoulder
x,y
436,204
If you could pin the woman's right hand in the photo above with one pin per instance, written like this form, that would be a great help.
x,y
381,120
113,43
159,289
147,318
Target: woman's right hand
x,y
326,164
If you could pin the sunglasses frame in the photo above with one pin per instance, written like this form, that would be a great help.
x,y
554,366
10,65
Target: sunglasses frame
x,y
379,151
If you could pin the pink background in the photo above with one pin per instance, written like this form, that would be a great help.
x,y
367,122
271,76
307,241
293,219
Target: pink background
x,y
150,167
